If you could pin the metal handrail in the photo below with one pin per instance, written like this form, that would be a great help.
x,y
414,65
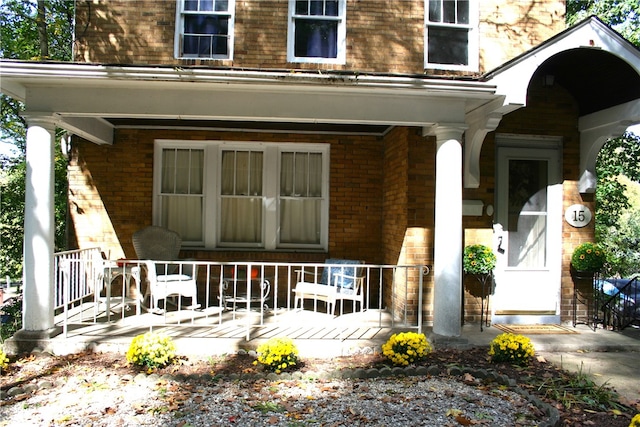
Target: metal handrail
x,y
621,309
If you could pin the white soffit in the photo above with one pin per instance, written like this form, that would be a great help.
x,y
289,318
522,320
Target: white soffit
x,y
80,90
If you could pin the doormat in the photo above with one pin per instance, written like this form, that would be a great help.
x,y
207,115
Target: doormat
x,y
535,329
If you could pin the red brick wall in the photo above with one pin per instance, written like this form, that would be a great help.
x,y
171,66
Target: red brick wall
x,y
382,36
409,191
115,182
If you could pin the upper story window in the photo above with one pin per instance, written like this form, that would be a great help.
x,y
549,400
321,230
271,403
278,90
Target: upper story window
x,y
243,195
204,29
451,36
317,31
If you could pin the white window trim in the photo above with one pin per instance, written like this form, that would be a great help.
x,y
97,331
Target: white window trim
x,y
473,47
180,30
342,37
271,180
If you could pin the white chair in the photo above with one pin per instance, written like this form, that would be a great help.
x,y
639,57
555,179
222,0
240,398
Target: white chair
x,y
341,279
159,248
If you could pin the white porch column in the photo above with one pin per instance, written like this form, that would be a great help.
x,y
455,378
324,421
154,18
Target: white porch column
x,y
37,317
447,302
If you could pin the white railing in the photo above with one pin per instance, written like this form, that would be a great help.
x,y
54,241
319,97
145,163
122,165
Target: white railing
x,y
76,275
245,295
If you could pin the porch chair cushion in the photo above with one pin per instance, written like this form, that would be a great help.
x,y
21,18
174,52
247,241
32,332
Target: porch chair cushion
x,y
341,277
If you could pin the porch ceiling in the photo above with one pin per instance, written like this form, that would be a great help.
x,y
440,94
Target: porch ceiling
x,y
92,100
596,79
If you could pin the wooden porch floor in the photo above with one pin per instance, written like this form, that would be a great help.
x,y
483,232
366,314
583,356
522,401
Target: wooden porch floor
x,y
212,331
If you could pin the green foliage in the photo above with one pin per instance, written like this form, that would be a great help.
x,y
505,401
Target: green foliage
x,y
151,350
13,310
511,348
12,196
618,214
621,15
622,245
588,257
478,259
578,389
19,39
277,355
406,347
619,156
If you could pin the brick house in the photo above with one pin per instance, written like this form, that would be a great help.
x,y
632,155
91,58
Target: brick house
x,y
396,132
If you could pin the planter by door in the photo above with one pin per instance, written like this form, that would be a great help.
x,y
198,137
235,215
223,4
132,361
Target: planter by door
x,y
482,286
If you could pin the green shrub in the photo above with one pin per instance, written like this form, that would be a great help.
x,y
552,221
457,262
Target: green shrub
x,y
511,348
277,355
12,309
588,257
406,347
151,350
478,259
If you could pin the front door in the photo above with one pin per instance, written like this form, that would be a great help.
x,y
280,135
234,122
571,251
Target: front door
x,y
528,230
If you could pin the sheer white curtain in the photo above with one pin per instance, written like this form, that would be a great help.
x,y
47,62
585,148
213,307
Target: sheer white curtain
x,y
181,189
241,197
300,197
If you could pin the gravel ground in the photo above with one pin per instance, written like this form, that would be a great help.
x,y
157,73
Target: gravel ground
x,y
103,399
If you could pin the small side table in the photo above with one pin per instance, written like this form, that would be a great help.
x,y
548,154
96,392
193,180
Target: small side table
x,y
125,271
232,298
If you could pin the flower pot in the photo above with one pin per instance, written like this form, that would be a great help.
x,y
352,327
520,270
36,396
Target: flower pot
x,y
582,274
479,285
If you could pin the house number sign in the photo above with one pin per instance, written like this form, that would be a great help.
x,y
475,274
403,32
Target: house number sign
x,y
578,215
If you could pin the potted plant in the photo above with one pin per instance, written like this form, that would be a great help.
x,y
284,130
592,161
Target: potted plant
x,y
478,259
587,259
479,262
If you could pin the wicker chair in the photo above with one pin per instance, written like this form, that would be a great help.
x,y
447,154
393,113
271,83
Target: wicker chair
x,y
155,246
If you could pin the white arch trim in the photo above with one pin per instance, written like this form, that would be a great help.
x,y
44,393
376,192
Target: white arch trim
x,y
512,81
595,129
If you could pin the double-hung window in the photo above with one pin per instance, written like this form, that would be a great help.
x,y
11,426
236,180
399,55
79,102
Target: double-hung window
x,y
243,195
204,29
317,31
451,34
180,193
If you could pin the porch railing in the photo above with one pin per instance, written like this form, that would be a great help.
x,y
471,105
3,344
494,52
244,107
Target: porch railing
x,y
83,271
90,290
621,308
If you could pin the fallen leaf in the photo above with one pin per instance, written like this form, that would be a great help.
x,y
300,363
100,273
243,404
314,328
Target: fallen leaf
x,y
464,421
453,412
